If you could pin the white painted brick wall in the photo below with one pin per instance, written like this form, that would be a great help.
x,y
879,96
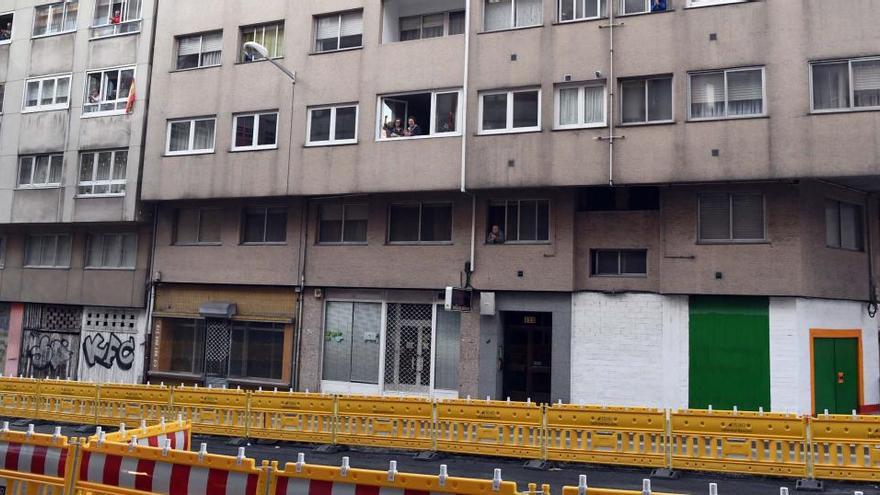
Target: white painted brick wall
x,y
785,356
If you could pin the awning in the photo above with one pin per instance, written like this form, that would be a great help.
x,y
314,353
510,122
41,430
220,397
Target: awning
x,y
217,309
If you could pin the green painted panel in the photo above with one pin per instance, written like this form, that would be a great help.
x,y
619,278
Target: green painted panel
x,y
846,359
824,371
729,352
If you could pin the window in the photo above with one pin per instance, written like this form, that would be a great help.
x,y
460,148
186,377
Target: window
x,y
2,93
269,35
510,111
257,350
577,10
116,17
197,226
108,91
420,222
200,50
256,131
111,251
182,342
507,14
727,93
342,223
518,221
351,342
332,125
47,93
580,106
431,25
339,31
2,253
640,6
55,18
619,262
731,217
843,225
605,198
191,136
433,113
6,27
646,100
48,251
846,84
264,225
40,171
102,173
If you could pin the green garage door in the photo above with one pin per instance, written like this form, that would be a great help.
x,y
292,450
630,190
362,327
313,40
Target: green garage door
x,y
836,375
729,352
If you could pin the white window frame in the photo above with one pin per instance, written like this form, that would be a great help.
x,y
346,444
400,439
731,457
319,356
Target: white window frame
x,y
90,238
724,72
621,8
512,18
693,4
192,134
201,37
49,21
30,237
600,15
852,104
581,124
338,16
509,119
127,24
446,25
54,106
645,80
95,182
594,262
433,120
257,119
332,141
730,239
102,101
279,47
44,185
12,28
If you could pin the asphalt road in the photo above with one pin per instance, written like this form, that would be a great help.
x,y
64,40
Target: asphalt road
x,y
689,483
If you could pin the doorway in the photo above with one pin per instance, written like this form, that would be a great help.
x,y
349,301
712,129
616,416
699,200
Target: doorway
x,y
527,356
836,371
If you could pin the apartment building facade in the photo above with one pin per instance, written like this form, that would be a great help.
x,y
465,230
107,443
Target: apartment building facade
x,y
75,249
687,222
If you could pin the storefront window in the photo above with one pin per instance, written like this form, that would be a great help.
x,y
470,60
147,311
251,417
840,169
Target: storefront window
x,y
351,342
257,350
183,341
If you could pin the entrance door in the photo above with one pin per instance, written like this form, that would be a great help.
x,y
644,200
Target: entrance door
x,y
408,348
527,356
217,342
836,375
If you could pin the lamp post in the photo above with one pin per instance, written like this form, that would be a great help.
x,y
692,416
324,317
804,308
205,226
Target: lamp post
x,y
253,48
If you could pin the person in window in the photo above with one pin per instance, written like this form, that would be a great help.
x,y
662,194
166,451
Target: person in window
x,y
412,129
5,31
94,96
397,129
449,124
658,5
496,235
117,17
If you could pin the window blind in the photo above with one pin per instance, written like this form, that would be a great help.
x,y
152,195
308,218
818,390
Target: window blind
x,y
866,75
352,24
707,88
190,45
748,216
212,42
744,85
714,216
328,27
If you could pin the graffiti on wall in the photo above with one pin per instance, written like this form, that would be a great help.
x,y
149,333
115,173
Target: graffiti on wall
x,y
49,354
108,351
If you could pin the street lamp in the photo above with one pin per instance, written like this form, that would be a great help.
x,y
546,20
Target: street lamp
x,y
256,50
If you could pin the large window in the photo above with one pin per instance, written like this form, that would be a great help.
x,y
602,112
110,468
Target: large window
x,y
618,262
108,91
351,342
115,251
330,125
408,115
420,222
47,93
102,173
510,111
846,84
436,25
40,171
342,223
182,344
255,131
339,31
190,136
727,93
264,225
646,100
844,225
194,226
640,6
6,20
257,350
116,17
47,251
579,106
737,217
507,14
55,18
270,36
518,221
576,10
199,50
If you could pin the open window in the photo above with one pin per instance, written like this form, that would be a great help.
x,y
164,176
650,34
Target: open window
x,y
642,6
108,91
6,27
419,114
114,17
407,20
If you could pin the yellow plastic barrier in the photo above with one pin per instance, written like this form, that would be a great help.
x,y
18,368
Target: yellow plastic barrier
x,y
613,435
293,417
385,422
212,410
31,463
846,447
573,490
130,404
69,401
19,397
770,444
511,429
177,433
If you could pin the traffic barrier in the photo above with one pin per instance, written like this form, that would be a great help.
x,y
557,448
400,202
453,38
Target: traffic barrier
x,y
510,429
401,422
68,401
32,463
846,447
622,436
19,397
212,410
584,489
291,416
132,403
177,434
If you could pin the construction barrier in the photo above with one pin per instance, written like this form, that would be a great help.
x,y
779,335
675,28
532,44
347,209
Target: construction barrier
x,y
399,422
19,397
584,489
177,435
845,447
291,416
31,463
130,404
212,410
511,429
69,401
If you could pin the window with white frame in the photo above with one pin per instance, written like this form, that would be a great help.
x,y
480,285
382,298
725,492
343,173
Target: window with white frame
x,y
199,50
436,25
704,3
580,105
108,91
510,111
578,10
116,17
844,225
731,217
339,31
342,223
193,226
40,171
642,6
727,93
190,136
428,113
269,35
47,251
102,173
335,124
846,84
55,18
255,131
420,223
619,262
113,251
6,21
508,14
47,93
646,100
525,220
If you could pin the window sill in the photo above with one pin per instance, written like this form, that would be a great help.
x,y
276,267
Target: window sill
x,y
519,243
397,42
51,109
190,69
325,145
579,127
5,42
38,188
728,119
717,4
109,36
108,269
198,244
418,243
261,148
26,267
337,51
331,244
840,110
507,132
262,244
517,28
733,243
637,14
579,21
98,196
92,115
62,33
622,275
416,138
187,153
859,251
648,124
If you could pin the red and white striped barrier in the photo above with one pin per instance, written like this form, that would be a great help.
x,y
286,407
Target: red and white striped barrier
x,y
33,459
300,486
179,440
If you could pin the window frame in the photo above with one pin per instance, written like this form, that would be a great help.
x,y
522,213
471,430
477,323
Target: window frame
x,y
510,111
343,242
49,5
192,134
110,182
433,112
90,239
512,19
30,237
242,57
621,8
243,225
175,241
246,327
117,111
519,202
97,30
421,205
11,28
317,18
44,185
446,25
645,80
601,15
724,72
332,141
201,37
51,107
861,225
581,87
849,67
730,240
594,263
255,138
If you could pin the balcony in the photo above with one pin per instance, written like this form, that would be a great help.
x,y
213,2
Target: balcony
x,y
409,20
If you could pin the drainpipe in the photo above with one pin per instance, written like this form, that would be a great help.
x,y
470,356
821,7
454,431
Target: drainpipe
x,y
612,89
464,121
301,267
872,293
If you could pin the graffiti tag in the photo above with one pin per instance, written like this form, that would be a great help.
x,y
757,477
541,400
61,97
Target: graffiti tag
x,y
52,354
101,352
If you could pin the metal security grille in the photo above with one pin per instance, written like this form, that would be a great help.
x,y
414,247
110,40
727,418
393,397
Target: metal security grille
x,y
217,340
61,318
110,320
408,348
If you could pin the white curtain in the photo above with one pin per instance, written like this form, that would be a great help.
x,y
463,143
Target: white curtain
x,y
707,95
745,93
204,136
179,139
594,104
211,46
866,83
831,86
633,98
497,13
528,12
568,106
659,99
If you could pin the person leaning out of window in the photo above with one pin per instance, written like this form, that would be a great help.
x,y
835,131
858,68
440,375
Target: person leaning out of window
x,y
496,235
658,5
